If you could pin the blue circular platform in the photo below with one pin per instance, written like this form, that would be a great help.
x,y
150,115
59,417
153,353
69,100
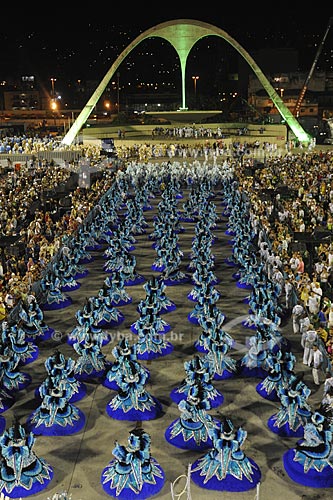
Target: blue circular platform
x,y
56,429
229,483
311,478
133,414
37,486
272,396
187,444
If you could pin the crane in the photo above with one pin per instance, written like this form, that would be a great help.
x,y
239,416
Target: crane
x,y
308,78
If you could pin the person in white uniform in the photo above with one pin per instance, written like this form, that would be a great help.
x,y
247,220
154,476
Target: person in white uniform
x,y
317,364
297,313
309,338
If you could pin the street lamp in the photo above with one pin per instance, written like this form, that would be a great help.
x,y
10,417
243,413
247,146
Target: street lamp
x,y
53,91
107,105
195,79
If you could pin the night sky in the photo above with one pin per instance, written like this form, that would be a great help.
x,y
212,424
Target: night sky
x,y
48,41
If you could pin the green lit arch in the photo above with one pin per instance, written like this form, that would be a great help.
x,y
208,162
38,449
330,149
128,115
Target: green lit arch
x,y
183,34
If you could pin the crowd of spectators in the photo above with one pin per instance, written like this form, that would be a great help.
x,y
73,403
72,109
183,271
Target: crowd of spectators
x,y
208,150
193,132
306,206
211,149
303,213
34,144
31,226
30,144
199,131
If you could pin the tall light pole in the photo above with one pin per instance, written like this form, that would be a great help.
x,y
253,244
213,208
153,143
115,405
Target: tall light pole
x,y
53,99
53,80
118,100
195,79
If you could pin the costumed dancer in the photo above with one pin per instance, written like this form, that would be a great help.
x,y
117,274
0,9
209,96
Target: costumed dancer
x,y
133,473
263,309
200,370
294,412
14,337
134,217
224,365
99,226
31,318
22,473
60,372
191,430
120,242
150,317
151,344
280,368
212,333
206,306
247,270
90,236
120,239
156,287
202,286
160,235
165,246
75,257
204,272
172,275
225,467
123,352
115,287
133,402
109,315
114,255
143,193
208,215
54,298
201,252
211,317
87,326
128,271
66,272
91,362
169,257
310,462
252,363
12,380
189,211
79,247
56,415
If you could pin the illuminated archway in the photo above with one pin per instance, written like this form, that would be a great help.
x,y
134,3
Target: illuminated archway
x,y
183,34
